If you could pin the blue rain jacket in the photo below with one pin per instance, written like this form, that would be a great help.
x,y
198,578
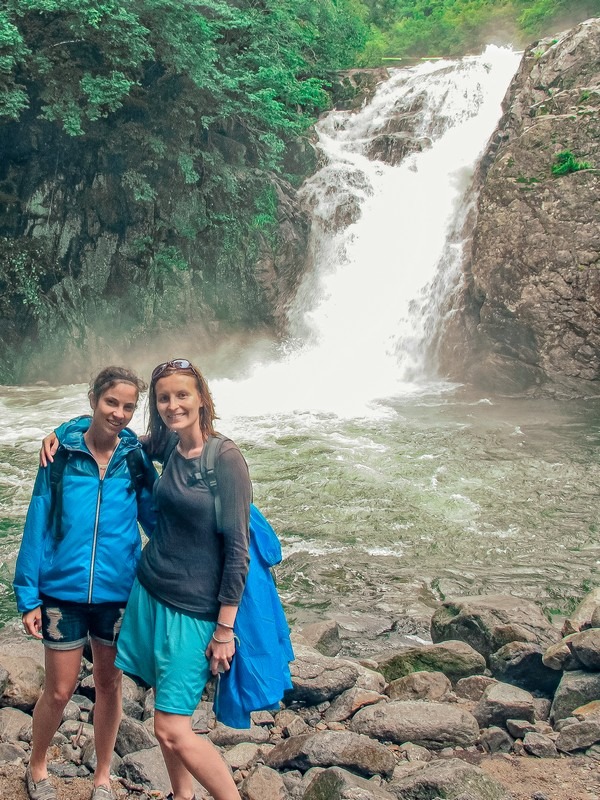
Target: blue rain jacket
x,y
96,559
260,672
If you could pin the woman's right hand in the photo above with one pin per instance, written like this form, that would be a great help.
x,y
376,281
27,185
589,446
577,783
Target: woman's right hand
x,y
32,622
48,449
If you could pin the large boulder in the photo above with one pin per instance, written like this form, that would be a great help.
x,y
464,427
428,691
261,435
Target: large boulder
x,y
581,618
576,688
23,683
520,663
420,686
339,784
333,748
501,702
449,779
489,622
432,725
316,678
454,659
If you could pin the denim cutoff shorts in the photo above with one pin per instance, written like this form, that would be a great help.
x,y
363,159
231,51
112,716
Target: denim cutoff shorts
x,y
166,648
67,625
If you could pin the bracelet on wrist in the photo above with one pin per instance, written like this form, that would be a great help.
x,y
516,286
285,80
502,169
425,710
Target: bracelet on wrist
x,y
225,625
222,641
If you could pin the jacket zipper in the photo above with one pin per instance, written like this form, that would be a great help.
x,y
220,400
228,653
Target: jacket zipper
x,y
96,524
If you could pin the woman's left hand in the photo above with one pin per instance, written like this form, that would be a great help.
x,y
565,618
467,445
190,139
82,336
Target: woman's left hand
x,y
220,654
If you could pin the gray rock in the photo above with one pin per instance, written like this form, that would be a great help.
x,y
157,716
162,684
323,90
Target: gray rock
x,y
585,646
589,711
133,736
13,724
578,736
414,752
542,706
24,682
224,736
203,718
432,725
323,636
519,727
348,703
146,768
583,614
71,711
338,784
421,685
449,778
520,663
593,752
263,783
316,678
576,688
500,702
484,622
89,760
76,731
11,753
246,754
333,748
369,678
495,740
539,745
453,658
473,687
559,656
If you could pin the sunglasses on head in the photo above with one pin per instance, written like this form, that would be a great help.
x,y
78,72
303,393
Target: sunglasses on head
x,y
176,363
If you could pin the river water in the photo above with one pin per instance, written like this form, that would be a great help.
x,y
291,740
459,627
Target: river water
x,y
390,488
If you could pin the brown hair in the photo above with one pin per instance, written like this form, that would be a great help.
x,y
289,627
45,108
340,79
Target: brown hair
x,y
157,431
109,377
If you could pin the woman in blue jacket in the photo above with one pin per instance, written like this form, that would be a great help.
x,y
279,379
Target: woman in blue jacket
x,y
76,566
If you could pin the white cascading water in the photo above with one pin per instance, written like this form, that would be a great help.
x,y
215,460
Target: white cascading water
x,y
359,326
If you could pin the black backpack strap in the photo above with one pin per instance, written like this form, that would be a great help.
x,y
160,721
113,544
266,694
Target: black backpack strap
x,y
141,475
208,460
57,468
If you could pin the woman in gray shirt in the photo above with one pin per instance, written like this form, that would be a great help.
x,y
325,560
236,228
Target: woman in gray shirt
x,y
178,626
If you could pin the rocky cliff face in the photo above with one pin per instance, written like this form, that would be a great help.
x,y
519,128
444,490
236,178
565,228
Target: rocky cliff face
x,y
527,311
88,275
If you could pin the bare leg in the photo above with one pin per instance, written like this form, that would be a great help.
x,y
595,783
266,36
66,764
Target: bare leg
x,y
62,671
107,708
187,754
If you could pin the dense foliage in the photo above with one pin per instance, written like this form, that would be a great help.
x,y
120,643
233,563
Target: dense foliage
x,y
162,97
420,28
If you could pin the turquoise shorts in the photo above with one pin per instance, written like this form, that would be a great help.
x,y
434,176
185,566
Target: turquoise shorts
x,y
166,648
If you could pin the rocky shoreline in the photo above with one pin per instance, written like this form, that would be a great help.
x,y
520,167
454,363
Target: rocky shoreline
x,y
408,724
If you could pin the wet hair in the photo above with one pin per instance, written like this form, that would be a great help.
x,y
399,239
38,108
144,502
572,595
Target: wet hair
x,y
157,431
109,377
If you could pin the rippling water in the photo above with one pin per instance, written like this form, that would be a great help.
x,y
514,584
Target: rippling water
x,y
436,495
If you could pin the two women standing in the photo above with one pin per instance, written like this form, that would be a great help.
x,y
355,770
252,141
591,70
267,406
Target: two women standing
x,y
178,627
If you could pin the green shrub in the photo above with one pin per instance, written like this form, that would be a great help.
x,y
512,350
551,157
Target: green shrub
x,y
565,162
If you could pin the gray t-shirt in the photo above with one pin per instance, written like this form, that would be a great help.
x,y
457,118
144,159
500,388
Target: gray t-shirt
x,y
188,563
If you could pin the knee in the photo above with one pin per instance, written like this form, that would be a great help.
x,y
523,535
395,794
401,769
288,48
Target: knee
x,y
108,682
166,732
58,696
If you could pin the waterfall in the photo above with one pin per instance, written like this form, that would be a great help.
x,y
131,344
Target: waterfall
x,y
381,252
